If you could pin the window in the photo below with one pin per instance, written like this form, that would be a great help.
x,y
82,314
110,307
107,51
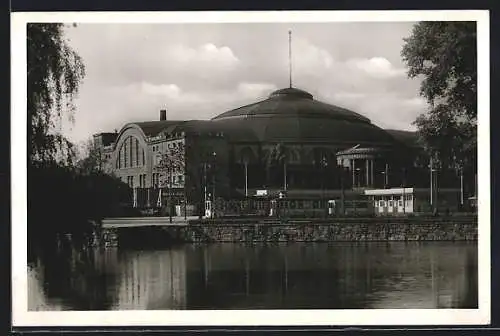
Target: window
x,y
125,154
142,181
181,178
137,156
390,203
131,147
143,157
400,203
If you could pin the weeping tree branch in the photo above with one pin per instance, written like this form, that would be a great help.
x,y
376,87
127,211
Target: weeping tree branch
x,y
55,72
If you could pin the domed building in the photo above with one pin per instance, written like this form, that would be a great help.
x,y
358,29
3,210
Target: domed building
x,y
288,141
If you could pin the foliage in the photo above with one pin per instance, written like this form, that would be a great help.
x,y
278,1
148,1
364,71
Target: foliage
x,y
54,75
444,55
171,161
93,161
276,157
62,200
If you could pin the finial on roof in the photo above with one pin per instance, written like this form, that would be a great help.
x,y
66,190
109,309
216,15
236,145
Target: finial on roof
x,y
290,55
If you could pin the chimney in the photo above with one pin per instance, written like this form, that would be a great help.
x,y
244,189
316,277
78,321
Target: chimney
x,y
163,114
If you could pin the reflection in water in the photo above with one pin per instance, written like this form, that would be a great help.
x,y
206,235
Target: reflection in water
x,y
237,276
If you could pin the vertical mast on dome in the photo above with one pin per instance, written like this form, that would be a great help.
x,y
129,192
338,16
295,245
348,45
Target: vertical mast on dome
x,y
290,55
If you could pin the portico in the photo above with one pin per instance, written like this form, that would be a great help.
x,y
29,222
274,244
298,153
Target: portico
x,y
368,166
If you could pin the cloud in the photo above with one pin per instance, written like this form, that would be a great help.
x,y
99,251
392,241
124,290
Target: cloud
x,y
378,67
205,57
255,90
199,71
309,59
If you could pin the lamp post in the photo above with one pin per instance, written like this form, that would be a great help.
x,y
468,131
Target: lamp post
x,y
185,196
358,171
214,156
433,185
461,186
342,195
324,165
246,178
170,192
386,182
284,174
404,194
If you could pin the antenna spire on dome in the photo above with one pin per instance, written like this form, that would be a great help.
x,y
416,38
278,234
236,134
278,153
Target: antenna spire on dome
x,y
290,55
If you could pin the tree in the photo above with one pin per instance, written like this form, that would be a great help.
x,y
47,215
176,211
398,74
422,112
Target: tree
x,y
92,160
55,71
444,55
277,157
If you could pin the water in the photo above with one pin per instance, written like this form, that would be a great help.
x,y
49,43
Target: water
x,y
238,276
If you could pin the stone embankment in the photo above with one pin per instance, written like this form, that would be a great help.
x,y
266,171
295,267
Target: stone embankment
x,y
325,230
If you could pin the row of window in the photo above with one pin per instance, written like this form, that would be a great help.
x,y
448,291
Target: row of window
x,y
155,180
170,145
390,203
408,197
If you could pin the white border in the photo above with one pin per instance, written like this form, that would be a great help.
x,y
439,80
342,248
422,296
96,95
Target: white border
x,y
22,317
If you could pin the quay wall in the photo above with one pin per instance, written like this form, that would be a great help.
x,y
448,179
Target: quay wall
x,y
333,230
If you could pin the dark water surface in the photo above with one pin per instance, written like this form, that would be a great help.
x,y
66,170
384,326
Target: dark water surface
x,y
237,276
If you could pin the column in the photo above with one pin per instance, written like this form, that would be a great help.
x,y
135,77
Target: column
x,y
371,170
367,173
353,173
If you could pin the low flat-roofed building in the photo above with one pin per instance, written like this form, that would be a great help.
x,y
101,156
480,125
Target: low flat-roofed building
x,y
399,201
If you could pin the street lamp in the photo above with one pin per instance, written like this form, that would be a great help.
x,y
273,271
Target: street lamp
x,y
404,194
433,184
342,193
214,156
324,165
461,186
170,191
358,170
185,196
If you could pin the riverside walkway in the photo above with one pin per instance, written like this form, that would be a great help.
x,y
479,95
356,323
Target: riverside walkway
x,y
130,222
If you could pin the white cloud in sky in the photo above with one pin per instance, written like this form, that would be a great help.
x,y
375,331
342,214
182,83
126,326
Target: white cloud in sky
x,y
199,71
378,67
207,57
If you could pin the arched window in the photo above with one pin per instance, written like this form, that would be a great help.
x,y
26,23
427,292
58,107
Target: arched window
x,y
130,154
130,150
125,153
137,153
118,160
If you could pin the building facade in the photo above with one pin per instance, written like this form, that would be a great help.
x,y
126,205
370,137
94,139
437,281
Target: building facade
x,y
288,141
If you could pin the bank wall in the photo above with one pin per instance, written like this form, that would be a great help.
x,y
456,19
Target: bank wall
x,y
355,230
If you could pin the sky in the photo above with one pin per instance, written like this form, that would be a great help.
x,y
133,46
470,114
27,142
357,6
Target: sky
x,y
197,71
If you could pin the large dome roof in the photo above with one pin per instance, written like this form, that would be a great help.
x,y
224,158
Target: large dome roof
x,y
291,115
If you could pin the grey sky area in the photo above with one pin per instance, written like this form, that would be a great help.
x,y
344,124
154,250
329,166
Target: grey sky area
x,y
197,71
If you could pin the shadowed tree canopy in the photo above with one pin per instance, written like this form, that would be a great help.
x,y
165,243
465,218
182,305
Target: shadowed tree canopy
x,y
444,55
92,161
55,71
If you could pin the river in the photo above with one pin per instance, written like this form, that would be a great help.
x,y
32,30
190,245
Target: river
x,y
238,276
